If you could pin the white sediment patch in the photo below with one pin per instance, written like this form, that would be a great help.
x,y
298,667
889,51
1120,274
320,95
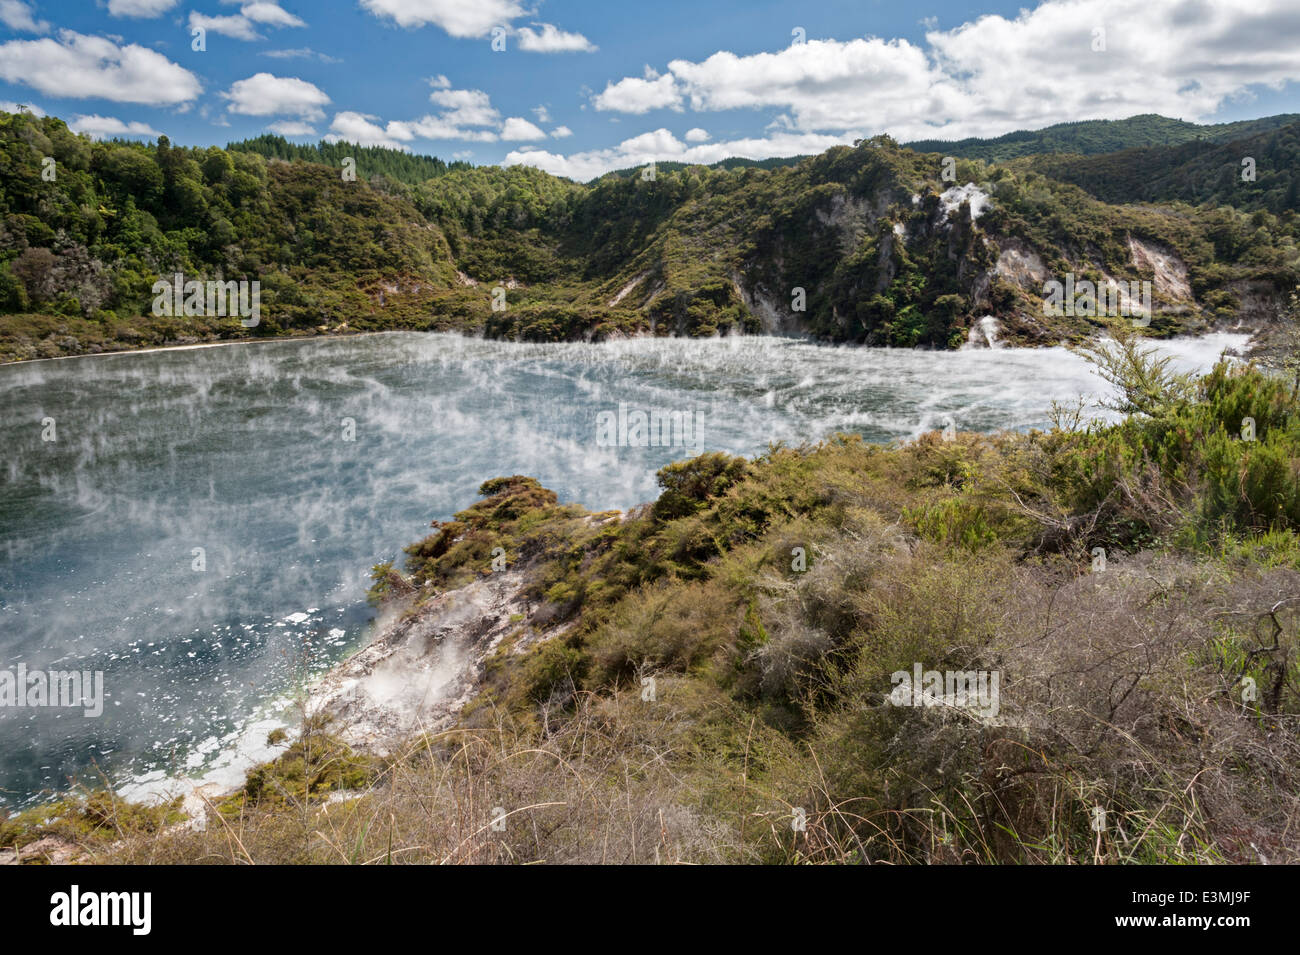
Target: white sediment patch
x,y
421,668
954,197
984,333
218,765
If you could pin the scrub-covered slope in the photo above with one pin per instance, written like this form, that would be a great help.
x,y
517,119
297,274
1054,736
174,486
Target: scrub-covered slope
x,y
874,244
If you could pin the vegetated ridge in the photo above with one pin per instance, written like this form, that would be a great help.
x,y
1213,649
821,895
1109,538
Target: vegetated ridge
x,y
874,244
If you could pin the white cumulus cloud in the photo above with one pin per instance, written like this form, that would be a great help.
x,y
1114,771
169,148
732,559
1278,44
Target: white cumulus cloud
x,y
235,26
271,14
101,127
264,94
17,15
139,8
243,25
292,127
361,128
518,129
638,95
549,38
1182,58
460,18
78,66
661,145
300,53
8,106
465,107
439,127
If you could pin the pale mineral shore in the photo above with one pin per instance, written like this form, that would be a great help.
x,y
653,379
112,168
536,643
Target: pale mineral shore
x,y
420,668
423,663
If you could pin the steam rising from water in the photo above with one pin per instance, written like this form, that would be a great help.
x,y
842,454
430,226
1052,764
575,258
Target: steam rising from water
x,y
240,451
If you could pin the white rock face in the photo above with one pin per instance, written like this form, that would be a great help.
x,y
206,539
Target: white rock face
x,y
984,333
1170,271
954,197
423,668
623,292
1020,264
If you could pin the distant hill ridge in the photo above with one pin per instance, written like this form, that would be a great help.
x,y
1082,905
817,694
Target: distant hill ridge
x,y
1110,181
1093,137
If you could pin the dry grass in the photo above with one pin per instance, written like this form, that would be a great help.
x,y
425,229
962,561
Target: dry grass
x,y
613,782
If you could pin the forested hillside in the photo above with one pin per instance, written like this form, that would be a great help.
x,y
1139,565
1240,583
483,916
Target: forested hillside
x,y
875,244
370,161
1260,171
1092,137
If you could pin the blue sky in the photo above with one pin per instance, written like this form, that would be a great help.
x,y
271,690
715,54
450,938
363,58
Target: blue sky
x,y
582,87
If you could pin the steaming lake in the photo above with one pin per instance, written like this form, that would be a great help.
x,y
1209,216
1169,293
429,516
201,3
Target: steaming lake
x,y
242,451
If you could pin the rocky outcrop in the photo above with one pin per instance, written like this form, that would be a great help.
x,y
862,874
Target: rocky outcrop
x,y
48,850
1170,272
1021,265
774,313
425,662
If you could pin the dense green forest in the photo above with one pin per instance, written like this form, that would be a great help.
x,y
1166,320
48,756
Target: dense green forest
x,y
1260,171
874,243
371,161
1091,137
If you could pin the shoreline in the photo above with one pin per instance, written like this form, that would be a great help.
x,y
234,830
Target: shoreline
x,y
413,671
1252,333
192,346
